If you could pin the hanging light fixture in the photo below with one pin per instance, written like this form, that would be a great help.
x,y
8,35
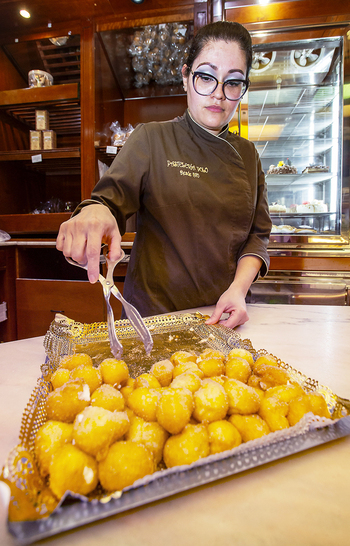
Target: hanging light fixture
x,y
59,41
137,1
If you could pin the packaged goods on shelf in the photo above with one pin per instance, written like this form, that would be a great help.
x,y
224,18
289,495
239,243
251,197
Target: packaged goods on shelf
x,y
41,120
120,134
49,140
36,140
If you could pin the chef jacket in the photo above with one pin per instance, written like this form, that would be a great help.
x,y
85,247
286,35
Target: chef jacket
x,y
201,206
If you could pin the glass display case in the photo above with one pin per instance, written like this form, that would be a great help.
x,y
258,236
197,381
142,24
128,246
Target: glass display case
x,y
295,113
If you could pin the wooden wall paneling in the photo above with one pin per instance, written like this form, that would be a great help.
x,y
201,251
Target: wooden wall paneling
x,y
10,77
8,328
88,111
160,109
301,10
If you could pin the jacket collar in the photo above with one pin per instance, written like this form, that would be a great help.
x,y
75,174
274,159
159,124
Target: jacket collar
x,y
204,133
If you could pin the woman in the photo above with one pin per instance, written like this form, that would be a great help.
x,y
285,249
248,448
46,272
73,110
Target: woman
x,y
199,191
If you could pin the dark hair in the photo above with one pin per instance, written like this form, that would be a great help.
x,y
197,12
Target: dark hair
x,y
221,30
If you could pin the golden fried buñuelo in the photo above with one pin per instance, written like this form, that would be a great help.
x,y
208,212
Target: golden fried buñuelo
x,y
126,462
188,446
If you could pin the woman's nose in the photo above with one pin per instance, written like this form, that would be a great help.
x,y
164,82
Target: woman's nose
x,y
218,93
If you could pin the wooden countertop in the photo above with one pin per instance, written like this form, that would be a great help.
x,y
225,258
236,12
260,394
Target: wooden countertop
x,y
302,499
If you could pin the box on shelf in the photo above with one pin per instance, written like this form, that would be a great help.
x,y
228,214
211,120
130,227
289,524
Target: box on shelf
x,y
36,140
49,140
41,120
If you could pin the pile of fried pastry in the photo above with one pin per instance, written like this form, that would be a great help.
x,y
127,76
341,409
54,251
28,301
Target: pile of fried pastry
x,y
105,427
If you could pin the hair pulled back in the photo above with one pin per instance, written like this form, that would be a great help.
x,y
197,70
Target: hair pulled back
x,y
221,30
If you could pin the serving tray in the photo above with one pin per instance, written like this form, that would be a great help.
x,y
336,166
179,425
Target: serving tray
x,y
170,333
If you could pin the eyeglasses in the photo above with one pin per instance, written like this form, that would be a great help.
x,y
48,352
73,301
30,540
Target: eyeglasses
x,y
205,84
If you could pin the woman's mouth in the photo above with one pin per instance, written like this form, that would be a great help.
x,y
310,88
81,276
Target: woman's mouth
x,y
215,109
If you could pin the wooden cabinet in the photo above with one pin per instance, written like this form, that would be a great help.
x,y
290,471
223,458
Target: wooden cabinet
x,y
39,180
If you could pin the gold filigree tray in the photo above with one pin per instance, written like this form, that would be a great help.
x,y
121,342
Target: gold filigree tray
x,y
170,333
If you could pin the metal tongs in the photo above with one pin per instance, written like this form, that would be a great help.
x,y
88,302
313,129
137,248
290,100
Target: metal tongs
x,y
131,312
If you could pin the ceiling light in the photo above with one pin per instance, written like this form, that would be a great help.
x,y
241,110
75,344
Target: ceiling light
x,y
25,13
137,1
60,41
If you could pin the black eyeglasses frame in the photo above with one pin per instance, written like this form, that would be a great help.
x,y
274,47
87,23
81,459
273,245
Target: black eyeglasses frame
x,y
199,72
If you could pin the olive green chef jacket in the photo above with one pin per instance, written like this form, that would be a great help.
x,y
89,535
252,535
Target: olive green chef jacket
x,y
201,205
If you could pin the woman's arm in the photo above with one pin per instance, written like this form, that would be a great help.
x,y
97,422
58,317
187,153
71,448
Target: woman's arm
x,y
232,301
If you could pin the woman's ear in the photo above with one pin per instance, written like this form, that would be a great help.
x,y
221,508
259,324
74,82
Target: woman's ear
x,y
184,77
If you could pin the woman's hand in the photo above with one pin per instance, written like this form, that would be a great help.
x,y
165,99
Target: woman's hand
x,y
233,302
81,236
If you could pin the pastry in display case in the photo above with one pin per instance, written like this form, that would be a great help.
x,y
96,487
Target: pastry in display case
x,y
295,112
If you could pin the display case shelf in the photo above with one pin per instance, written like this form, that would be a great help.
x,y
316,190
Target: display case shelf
x,y
297,179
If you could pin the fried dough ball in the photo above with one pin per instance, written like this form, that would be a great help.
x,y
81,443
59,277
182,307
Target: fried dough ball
x,y
114,371
242,353
210,402
268,359
188,446
126,391
60,377
126,462
318,404
211,366
220,379
254,381
274,411
241,398
128,388
271,376
73,361
90,375
238,368
187,380
286,393
72,470
147,380
222,436
174,409
95,429
300,406
250,427
64,403
144,401
163,371
51,436
180,357
151,435
211,353
187,367
108,397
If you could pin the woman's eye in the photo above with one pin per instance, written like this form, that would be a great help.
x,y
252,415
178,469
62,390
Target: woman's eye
x,y
205,78
233,83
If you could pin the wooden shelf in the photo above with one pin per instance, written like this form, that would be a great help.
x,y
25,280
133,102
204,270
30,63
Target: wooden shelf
x,y
16,224
26,155
36,95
